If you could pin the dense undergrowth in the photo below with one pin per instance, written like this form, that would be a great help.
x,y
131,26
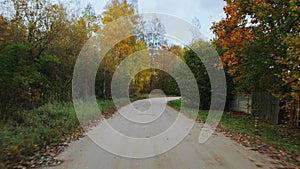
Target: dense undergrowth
x,y
27,135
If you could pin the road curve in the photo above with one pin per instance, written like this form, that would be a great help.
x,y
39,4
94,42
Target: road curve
x,y
219,152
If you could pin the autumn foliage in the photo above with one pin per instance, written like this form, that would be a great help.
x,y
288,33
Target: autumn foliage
x,y
259,46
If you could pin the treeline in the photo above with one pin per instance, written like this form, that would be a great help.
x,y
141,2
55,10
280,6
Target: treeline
x,y
259,45
38,48
40,41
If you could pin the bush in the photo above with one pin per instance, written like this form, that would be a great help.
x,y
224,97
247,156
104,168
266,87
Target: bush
x,y
31,131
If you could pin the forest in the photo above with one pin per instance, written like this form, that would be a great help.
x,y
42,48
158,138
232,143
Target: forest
x,y
40,40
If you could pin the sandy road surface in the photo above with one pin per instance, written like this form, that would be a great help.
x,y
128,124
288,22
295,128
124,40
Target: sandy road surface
x,y
218,152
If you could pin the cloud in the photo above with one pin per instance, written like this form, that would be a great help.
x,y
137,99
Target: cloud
x,y
207,11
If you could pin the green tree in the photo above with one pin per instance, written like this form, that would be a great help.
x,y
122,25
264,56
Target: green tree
x,y
253,42
39,54
191,57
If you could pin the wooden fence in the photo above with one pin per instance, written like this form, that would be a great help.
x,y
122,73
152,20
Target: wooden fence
x,y
265,104
240,103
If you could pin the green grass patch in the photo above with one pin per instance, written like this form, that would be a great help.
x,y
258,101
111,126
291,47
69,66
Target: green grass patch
x,y
26,135
176,104
29,132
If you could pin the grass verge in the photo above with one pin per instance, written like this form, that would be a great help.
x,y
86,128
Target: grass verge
x,y
29,138
33,138
280,141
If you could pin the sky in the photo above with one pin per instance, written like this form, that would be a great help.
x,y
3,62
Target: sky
x,y
206,11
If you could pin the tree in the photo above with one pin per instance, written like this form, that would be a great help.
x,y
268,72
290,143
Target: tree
x,y
130,23
290,74
38,52
168,59
232,35
92,21
248,28
155,41
250,39
4,29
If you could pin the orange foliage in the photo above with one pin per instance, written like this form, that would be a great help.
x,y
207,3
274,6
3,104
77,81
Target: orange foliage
x,y
232,34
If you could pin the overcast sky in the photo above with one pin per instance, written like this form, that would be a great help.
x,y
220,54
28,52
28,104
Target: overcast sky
x,y
207,11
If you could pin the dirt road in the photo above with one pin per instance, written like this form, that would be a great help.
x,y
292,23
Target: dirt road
x,y
218,152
